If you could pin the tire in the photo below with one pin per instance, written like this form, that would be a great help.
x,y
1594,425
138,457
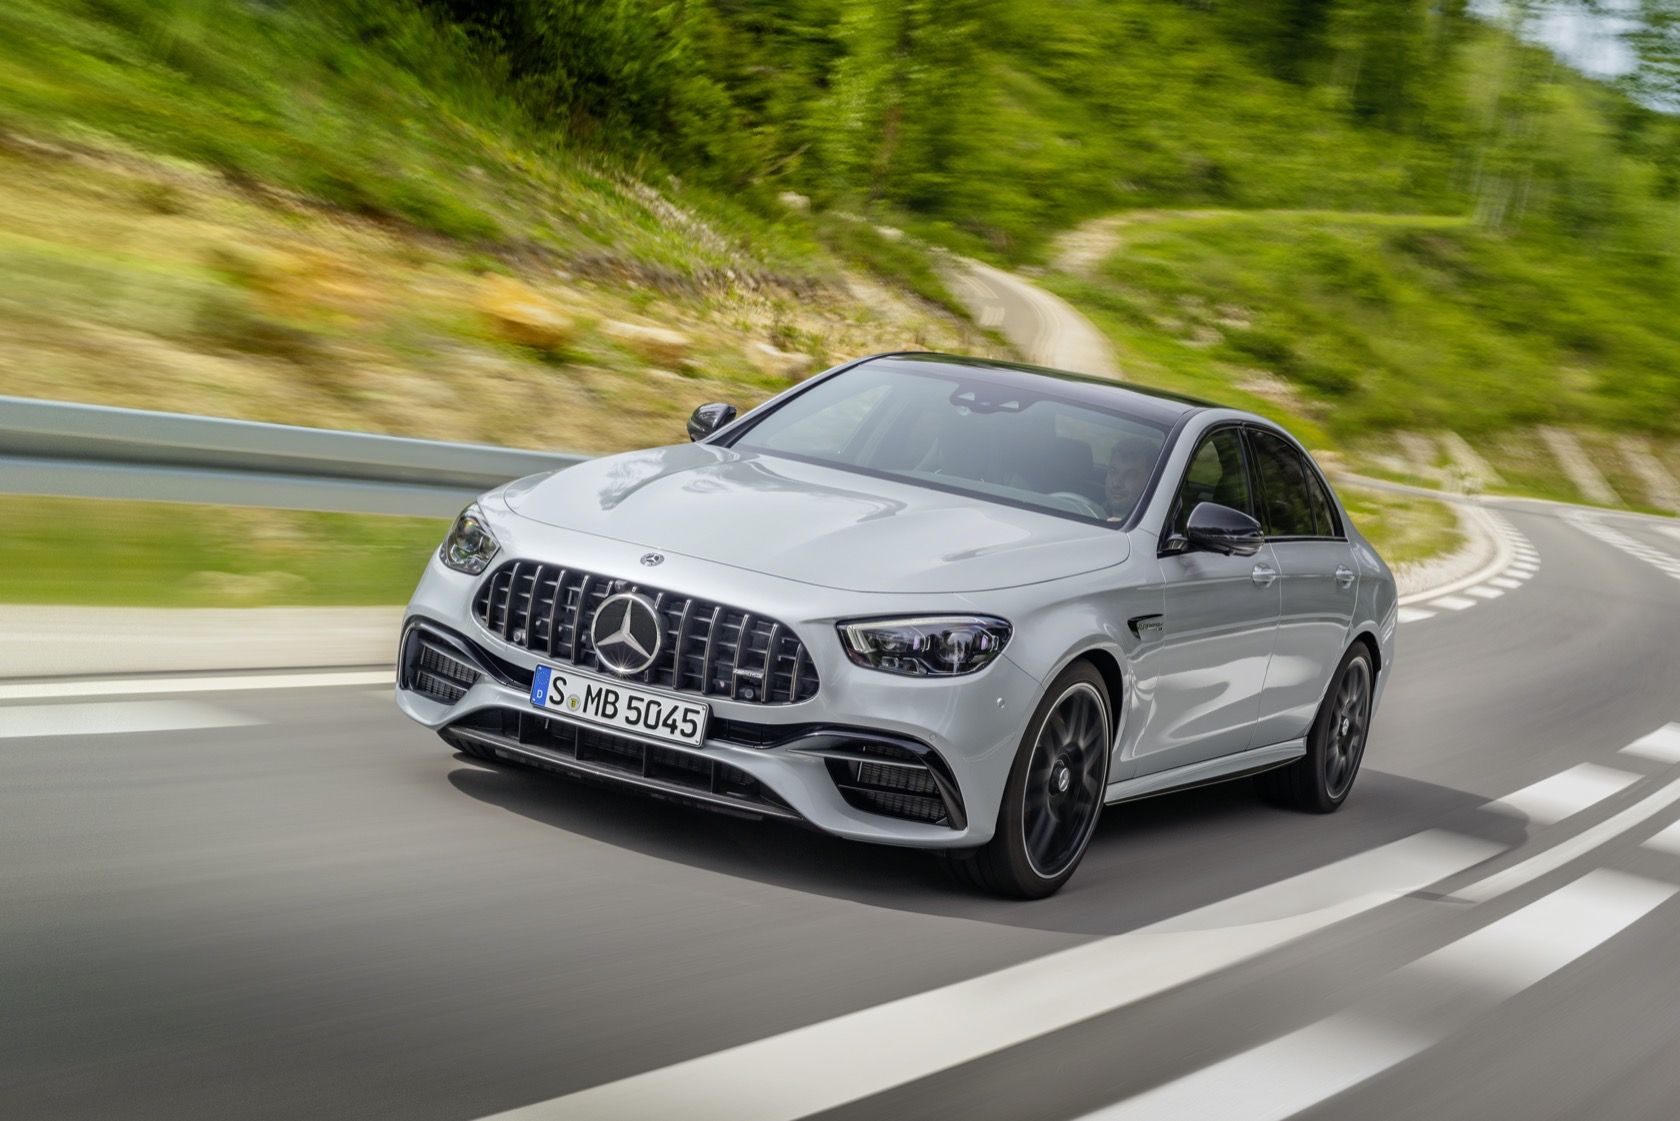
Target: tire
x,y
1320,780
1054,794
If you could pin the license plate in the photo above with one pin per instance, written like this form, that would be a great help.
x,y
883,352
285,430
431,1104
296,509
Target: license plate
x,y
595,700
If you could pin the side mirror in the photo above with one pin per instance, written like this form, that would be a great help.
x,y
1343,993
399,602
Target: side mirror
x,y
709,418
1220,529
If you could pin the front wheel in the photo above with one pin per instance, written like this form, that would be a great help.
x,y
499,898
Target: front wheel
x,y
1055,791
1319,781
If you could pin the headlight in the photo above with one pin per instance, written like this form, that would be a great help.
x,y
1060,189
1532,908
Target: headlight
x,y
470,544
932,646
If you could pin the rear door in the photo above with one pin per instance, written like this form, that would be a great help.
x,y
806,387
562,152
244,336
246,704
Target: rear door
x,y
1319,585
1217,628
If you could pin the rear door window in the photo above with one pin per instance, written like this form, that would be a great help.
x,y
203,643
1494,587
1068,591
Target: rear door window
x,y
1286,506
1324,510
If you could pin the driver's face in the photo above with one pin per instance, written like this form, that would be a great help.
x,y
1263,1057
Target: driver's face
x,y
1128,471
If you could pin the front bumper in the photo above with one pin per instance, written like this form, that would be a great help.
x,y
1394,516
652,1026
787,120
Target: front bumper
x,y
830,761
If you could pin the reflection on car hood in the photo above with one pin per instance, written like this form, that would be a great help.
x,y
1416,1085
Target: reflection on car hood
x,y
819,525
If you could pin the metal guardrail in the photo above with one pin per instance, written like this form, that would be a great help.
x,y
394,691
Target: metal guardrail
x,y
94,451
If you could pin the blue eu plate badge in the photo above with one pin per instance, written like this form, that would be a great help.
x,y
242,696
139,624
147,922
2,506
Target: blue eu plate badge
x,y
539,686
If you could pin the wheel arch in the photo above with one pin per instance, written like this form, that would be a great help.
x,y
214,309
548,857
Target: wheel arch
x,y
1110,663
1106,663
1369,640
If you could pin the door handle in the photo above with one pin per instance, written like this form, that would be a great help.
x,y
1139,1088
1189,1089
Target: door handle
x,y
1344,576
1264,574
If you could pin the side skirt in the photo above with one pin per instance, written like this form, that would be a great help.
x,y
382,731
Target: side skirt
x,y
1207,772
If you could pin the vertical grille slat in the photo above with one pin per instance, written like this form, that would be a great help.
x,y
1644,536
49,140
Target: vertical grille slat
x,y
743,646
518,603
770,658
711,644
679,642
577,619
554,610
507,602
648,674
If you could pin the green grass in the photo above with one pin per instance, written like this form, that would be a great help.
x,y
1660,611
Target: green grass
x,y
1350,326
1374,323
1403,528
84,551
373,107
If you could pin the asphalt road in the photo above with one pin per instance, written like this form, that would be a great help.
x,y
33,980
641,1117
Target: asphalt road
x,y
282,902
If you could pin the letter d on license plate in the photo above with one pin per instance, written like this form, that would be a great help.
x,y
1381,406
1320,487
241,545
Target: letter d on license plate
x,y
588,699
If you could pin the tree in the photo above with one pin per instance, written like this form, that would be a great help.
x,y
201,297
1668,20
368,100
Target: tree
x,y
1655,39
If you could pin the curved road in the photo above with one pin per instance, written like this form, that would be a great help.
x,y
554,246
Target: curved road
x,y
273,897
269,901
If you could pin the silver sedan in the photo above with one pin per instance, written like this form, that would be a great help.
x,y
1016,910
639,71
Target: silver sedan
x,y
920,600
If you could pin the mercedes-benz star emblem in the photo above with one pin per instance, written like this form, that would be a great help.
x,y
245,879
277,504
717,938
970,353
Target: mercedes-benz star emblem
x,y
626,633
651,559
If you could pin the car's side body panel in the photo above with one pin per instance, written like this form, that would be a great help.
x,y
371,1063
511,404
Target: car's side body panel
x,y
1219,632
1313,631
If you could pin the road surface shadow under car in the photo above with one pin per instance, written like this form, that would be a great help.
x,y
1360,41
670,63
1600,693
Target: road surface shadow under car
x,y
1149,860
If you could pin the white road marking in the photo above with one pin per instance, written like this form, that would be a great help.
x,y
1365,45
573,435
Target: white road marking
x,y
992,316
140,686
1519,575
1514,555
1564,851
1276,1079
1414,614
1514,952
113,718
1668,840
1633,547
828,1064
1417,1007
1570,792
1663,745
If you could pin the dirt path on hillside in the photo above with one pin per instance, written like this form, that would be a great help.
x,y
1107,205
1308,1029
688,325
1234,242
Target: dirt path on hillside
x,y
1084,247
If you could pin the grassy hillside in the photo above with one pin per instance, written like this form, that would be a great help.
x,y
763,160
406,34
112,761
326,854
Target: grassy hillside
x,y
1401,217
321,213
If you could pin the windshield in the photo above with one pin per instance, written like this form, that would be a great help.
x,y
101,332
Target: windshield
x,y
958,430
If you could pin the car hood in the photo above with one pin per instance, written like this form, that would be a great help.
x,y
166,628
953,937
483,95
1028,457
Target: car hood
x,y
815,524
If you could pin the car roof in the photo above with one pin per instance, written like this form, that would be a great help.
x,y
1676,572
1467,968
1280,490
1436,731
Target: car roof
x,y
1151,404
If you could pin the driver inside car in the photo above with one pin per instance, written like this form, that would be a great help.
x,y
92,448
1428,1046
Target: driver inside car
x,y
1129,463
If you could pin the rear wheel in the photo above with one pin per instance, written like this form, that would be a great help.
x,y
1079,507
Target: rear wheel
x,y
1319,781
1055,792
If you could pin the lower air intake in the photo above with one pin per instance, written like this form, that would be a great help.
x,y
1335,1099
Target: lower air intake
x,y
893,781
432,669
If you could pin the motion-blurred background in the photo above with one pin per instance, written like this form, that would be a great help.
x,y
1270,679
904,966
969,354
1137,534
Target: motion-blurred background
x,y
1438,238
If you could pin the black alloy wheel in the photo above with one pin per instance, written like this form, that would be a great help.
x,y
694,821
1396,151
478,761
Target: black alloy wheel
x,y
1055,791
1319,781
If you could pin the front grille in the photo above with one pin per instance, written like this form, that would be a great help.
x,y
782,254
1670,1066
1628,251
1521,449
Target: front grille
x,y
432,669
903,788
574,749
709,648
